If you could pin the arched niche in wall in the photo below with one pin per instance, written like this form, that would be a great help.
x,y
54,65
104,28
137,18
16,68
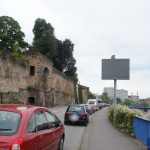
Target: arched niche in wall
x,y
45,77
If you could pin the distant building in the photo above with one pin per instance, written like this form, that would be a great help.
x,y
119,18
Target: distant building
x,y
134,98
122,94
147,100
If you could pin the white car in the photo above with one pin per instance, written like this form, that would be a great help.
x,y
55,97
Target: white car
x,y
93,103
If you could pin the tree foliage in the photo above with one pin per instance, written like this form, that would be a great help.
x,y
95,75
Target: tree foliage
x,y
119,101
91,95
60,52
64,60
44,39
128,102
11,36
105,98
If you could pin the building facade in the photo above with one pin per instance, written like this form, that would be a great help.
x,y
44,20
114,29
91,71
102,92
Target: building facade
x,y
122,94
134,98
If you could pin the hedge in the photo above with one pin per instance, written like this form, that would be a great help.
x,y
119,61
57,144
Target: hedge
x,y
121,117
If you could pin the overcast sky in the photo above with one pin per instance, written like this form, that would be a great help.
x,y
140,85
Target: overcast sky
x,y
98,29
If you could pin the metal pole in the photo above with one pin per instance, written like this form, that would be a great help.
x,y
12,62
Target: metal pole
x,y
115,88
114,100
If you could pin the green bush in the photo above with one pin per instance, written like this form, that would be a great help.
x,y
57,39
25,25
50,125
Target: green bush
x,y
121,117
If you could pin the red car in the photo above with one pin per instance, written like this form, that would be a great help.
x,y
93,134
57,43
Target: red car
x,y
25,127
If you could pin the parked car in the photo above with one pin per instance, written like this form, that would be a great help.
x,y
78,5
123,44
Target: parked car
x,y
100,103
93,103
25,127
89,109
76,114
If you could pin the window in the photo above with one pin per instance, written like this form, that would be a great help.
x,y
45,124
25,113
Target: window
x,y
31,124
76,108
91,102
9,122
51,120
41,121
32,70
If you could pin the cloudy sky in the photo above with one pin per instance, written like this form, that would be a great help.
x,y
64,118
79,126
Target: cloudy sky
x,y
98,29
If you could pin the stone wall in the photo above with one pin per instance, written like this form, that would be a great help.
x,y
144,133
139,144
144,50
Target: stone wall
x,y
13,75
36,83
55,88
85,93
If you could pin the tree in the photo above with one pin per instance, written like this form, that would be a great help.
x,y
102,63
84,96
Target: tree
x,y
105,98
91,95
118,101
64,60
11,36
44,39
127,102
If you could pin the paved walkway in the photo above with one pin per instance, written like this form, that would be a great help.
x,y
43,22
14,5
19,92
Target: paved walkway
x,y
102,135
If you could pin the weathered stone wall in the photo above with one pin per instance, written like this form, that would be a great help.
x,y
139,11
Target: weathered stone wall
x,y
59,88
13,75
47,86
85,93
43,86
63,88
41,63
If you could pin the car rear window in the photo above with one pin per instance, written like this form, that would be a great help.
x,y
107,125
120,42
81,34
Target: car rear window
x,y
91,102
76,108
9,122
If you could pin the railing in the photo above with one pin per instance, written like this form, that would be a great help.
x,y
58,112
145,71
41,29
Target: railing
x,y
141,130
145,108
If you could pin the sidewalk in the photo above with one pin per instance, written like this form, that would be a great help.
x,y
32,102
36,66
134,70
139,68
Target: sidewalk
x,y
100,134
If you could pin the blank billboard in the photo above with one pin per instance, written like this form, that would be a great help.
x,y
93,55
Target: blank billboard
x,y
115,69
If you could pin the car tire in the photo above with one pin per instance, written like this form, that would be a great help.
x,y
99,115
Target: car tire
x,y
85,123
65,123
61,144
88,120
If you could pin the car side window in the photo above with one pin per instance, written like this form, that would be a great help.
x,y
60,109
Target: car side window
x,y
31,124
41,121
51,119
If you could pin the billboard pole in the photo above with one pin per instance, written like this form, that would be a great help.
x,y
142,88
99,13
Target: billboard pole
x,y
114,99
115,89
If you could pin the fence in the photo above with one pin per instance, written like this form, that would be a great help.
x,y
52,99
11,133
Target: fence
x,y
141,129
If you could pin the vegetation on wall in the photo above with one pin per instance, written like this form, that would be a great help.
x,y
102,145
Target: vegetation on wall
x,y
75,81
80,94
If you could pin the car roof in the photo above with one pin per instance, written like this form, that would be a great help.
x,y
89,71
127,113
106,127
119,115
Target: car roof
x,y
92,99
77,105
18,107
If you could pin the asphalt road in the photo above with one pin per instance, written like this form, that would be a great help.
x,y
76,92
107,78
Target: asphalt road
x,y
74,133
